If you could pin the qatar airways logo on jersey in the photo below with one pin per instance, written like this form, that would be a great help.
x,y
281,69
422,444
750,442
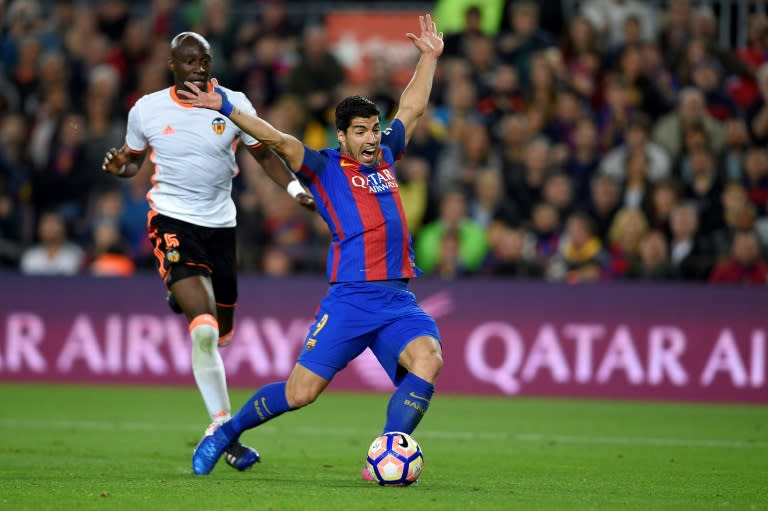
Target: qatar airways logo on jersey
x,y
376,182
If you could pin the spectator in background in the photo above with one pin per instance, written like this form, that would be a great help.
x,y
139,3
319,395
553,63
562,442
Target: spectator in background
x,y
524,38
624,238
744,88
654,68
755,178
471,245
558,191
745,265
582,162
637,187
615,114
413,173
691,254
664,196
691,109
513,137
605,202
524,182
458,111
581,256
16,211
109,256
652,261
703,187
63,182
276,263
503,99
738,215
456,43
464,158
676,30
646,96
488,203
54,254
546,230
757,112
610,16
707,77
511,254
316,75
735,144
637,138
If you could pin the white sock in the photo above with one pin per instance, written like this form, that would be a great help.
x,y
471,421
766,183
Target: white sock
x,y
208,367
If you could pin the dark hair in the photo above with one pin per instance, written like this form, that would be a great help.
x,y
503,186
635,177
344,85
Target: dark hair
x,y
351,107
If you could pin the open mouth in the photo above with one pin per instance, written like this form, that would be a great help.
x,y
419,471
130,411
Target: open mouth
x,y
368,155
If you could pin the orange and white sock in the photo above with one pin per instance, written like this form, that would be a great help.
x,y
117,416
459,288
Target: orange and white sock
x,y
207,365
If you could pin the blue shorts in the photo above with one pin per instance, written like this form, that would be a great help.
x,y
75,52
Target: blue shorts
x,y
357,315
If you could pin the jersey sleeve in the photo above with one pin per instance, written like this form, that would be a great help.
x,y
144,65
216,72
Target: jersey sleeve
x,y
135,140
394,138
243,103
313,165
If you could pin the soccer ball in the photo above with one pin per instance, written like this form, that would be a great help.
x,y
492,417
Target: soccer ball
x,y
395,459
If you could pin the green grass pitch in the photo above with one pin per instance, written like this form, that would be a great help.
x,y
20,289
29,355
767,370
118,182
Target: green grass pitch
x,y
123,448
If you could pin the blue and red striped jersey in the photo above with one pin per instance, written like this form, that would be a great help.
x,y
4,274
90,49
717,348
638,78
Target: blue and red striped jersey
x,y
361,205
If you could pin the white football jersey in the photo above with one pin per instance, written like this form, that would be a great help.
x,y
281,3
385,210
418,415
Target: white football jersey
x,y
193,150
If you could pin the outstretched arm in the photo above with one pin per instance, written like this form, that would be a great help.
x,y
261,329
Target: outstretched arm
x,y
287,146
276,170
415,96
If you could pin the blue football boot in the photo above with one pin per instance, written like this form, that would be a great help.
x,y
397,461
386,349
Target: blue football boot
x,y
241,457
209,450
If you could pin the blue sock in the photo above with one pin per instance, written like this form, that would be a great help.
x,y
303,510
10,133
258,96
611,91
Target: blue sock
x,y
267,403
408,405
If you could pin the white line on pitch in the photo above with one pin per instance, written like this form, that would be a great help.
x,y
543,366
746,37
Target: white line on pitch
x,y
106,425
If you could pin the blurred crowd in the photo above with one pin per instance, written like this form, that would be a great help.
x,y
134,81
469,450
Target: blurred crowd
x,y
624,142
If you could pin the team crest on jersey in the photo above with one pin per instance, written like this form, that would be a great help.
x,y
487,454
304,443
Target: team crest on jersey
x,y
376,182
173,256
310,344
218,125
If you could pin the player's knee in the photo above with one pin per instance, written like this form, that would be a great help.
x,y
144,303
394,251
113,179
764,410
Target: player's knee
x,y
427,365
205,333
299,396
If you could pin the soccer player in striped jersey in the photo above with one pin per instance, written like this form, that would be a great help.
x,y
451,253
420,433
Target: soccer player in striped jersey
x,y
370,261
192,217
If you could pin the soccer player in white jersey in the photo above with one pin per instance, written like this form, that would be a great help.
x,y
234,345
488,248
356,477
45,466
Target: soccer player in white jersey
x,y
192,217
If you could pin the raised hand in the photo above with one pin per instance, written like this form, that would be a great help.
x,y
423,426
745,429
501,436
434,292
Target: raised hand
x,y
430,42
212,100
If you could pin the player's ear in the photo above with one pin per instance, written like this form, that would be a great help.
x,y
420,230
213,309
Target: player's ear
x,y
340,137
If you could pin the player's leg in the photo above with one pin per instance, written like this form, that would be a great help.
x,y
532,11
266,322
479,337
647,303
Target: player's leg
x,y
226,315
327,350
409,350
182,261
194,294
220,247
422,359
269,402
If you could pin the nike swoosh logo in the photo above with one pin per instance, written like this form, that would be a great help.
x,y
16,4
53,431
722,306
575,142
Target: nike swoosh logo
x,y
416,396
264,405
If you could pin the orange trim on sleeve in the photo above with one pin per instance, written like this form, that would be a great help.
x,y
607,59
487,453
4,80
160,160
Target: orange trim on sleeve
x,y
204,319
